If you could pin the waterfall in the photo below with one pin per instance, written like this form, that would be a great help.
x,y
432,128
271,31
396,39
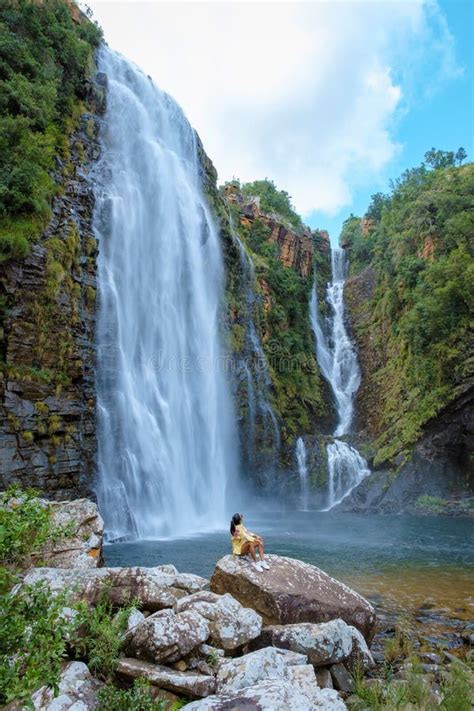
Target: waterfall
x,y
166,432
254,363
337,359
302,471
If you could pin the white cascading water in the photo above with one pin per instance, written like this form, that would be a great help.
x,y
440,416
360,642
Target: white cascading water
x,y
303,472
166,435
337,359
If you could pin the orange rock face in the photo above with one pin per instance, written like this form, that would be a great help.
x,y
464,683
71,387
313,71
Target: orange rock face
x,y
428,250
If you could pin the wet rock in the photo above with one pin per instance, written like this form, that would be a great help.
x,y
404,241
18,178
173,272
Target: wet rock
x,y
156,588
324,644
291,592
341,678
185,683
78,690
231,624
167,636
270,695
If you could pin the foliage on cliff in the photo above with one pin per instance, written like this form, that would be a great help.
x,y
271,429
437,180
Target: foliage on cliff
x,y
282,321
418,241
45,59
272,200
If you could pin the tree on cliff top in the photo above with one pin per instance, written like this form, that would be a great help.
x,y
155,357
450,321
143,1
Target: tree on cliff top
x,y
273,200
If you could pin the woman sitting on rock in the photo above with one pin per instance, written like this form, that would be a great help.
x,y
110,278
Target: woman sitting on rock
x,y
244,542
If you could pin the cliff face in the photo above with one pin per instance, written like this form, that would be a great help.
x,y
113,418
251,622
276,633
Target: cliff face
x,y
279,392
47,432
47,248
409,303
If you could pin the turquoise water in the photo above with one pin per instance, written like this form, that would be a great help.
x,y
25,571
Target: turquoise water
x,y
400,563
344,544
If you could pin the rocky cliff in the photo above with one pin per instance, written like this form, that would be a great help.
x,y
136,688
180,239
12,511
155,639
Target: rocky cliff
x,y
409,303
279,392
47,409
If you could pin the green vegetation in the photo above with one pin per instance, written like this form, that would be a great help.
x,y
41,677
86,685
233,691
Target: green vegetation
x,y
137,698
25,525
101,635
273,200
33,641
418,242
45,59
430,504
287,341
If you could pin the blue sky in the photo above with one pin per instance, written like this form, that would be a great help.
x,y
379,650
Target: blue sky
x,y
331,99
443,119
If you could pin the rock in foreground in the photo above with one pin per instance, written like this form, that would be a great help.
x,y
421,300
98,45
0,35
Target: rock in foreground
x,y
77,690
292,591
271,695
324,644
156,588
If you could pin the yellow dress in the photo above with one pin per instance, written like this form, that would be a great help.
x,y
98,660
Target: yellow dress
x,y
241,536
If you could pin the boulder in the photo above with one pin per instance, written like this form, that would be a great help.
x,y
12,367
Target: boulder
x,y
270,695
77,690
323,644
235,674
324,678
231,624
167,636
189,684
156,588
291,592
341,678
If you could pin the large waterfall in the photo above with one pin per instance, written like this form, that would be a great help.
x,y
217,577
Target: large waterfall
x,y
166,439
338,362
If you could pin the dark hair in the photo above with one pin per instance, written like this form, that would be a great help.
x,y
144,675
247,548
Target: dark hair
x,y
236,519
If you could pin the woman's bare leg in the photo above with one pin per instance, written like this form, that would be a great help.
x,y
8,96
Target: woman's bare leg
x,y
249,547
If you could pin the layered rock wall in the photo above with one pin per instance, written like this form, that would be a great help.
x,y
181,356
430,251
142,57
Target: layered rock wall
x,y
47,409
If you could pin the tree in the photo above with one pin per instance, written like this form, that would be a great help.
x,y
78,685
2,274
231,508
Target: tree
x,y
460,156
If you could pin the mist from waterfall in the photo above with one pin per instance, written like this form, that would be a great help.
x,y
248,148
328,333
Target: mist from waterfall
x,y
167,445
337,359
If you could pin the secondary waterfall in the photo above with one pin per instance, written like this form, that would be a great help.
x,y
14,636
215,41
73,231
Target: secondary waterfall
x,y
337,359
255,365
302,471
166,434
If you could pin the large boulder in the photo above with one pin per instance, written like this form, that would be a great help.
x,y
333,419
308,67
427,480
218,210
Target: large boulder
x,y
188,683
268,663
231,624
292,591
167,636
271,695
82,547
324,644
156,588
77,690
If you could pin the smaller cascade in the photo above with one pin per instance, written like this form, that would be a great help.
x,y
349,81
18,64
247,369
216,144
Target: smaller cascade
x,y
255,367
337,359
346,469
303,472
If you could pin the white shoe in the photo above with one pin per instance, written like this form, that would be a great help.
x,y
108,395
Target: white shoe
x,y
264,564
257,566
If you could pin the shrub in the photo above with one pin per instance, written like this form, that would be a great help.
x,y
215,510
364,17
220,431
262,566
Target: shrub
x,y
135,699
32,641
25,525
101,635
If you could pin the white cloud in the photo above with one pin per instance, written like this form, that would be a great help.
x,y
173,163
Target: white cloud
x,y
303,93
